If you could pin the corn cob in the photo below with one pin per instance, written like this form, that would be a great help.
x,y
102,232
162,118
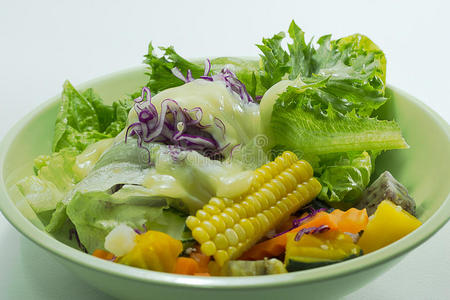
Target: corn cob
x,y
226,228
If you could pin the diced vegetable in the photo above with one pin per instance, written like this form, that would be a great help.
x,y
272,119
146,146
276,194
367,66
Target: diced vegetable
x,y
352,220
155,251
252,268
386,187
186,266
389,224
120,240
100,253
226,228
316,250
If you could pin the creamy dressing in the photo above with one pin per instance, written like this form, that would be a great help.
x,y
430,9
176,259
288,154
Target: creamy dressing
x,y
86,160
241,121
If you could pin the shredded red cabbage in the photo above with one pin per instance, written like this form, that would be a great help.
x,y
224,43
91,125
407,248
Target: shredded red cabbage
x,y
174,125
233,84
144,229
310,230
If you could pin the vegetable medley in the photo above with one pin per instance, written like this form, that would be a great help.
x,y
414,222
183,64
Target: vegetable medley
x,y
229,167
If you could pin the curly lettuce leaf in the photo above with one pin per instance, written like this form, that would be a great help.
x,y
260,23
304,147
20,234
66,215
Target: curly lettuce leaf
x,y
161,77
304,127
83,119
352,68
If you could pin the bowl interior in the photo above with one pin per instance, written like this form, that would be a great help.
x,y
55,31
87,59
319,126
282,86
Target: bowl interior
x,y
423,168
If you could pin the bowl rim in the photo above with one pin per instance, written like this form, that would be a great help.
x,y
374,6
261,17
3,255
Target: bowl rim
x,y
359,264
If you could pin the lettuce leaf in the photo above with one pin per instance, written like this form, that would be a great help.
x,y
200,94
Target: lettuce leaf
x,y
344,178
161,77
352,69
322,104
54,178
95,214
83,119
301,126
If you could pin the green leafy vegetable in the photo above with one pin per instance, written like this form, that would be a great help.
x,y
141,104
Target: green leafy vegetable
x,y
321,105
83,119
95,214
300,126
161,77
54,178
345,177
351,69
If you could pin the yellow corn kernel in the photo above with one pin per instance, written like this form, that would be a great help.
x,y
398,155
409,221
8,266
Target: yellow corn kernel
x,y
240,232
208,248
226,228
232,237
229,222
262,200
219,203
218,222
248,208
221,241
248,227
209,228
231,251
233,214
221,257
202,215
211,209
200,235
192,222
240,210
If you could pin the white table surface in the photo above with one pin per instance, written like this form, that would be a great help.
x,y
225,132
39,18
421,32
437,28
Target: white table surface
x,y
43,43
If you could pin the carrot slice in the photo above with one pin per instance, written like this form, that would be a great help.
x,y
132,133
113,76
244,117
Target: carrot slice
x,y
352,220
103,254
186,266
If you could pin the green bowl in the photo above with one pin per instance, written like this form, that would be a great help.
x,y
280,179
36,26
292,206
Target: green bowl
x,y
422,169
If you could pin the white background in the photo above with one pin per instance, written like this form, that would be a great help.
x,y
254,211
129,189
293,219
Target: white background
x,y
42,43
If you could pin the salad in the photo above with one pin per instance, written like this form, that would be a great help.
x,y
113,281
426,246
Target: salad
x,y
229,166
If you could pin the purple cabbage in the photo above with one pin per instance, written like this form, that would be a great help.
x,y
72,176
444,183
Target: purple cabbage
x,y
310,230
174,125
297,222
233,84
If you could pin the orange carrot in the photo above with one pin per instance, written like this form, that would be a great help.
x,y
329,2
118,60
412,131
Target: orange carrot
x,y
201,259
103,254
352,220
186,266
277,245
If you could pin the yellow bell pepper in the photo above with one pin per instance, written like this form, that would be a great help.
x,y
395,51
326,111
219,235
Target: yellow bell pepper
x,y
389,224
155,251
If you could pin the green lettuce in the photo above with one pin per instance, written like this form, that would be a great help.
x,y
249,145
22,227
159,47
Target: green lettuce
x,y
161,77
323,104
344,178
54,178
297,124
351,69
83,119
95,214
